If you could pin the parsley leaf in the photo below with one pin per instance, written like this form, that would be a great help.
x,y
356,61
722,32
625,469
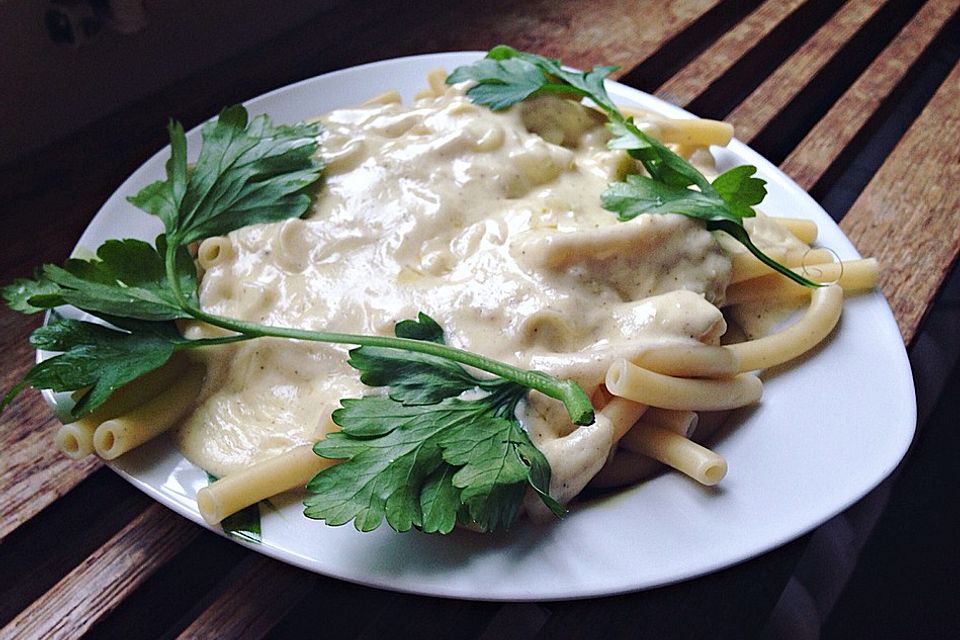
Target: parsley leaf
x,y
507,76
500,84
17,294
246,174
127,278
427,452
424,455
729,197
98,357
741,190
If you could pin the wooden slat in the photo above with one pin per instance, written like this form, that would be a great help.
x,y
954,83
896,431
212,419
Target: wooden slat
x,y
791,76
915,189
33,473
719,57
254,599
611,31
619,32
105,578
831,135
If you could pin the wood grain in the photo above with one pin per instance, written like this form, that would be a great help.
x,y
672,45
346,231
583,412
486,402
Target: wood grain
x,y
629,33
790,77
719,57
618,32
105,578
33,472
831,135
908,217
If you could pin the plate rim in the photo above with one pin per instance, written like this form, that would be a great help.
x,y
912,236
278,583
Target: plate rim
x,y
555,593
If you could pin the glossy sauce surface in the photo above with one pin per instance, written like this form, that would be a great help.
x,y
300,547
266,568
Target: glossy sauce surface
x,y
490,223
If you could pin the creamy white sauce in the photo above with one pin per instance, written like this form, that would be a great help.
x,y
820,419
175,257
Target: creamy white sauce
x,y
491,223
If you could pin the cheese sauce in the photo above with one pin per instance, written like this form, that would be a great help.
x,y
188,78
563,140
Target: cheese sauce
x,y
490,223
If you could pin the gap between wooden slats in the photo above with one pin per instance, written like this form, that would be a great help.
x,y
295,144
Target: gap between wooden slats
x,y
916,185
34,473
783,130
105,578
355,611
780,87
410,616
253,599
34,557
712,63
807,163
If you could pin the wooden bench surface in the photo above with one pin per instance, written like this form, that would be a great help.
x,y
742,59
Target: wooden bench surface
x,y
857,101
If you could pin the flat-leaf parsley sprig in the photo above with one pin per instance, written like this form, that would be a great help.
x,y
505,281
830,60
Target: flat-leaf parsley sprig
x,y
507,76
470,456
441,446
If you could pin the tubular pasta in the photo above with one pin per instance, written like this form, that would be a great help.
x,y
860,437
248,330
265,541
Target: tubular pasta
x,y
116,436
281,473
678,421
675,450
746,266
802,229
690,361
688,132
629,464
851,275
75,439
816,324
627,380
214,251
623,414
698,132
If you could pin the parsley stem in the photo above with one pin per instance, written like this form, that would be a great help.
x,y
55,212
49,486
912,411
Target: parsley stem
x,y
568,392
211,342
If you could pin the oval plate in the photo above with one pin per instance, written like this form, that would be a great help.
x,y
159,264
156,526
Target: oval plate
x,y
828,430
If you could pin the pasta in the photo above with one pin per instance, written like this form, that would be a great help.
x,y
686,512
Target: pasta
x,y
629,381
852,275
676,450
284,472
116,436
491,224
803,335
76,439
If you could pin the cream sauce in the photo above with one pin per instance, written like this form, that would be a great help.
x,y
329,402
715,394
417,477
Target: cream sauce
x,y
490,223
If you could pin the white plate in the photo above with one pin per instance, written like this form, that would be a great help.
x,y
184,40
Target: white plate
x,y
827,431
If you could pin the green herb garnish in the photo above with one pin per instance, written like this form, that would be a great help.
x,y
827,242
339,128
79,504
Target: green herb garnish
x,y
507,76
254,172
442,444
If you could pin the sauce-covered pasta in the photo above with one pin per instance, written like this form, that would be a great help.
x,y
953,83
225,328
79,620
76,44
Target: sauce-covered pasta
x,y
489,222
